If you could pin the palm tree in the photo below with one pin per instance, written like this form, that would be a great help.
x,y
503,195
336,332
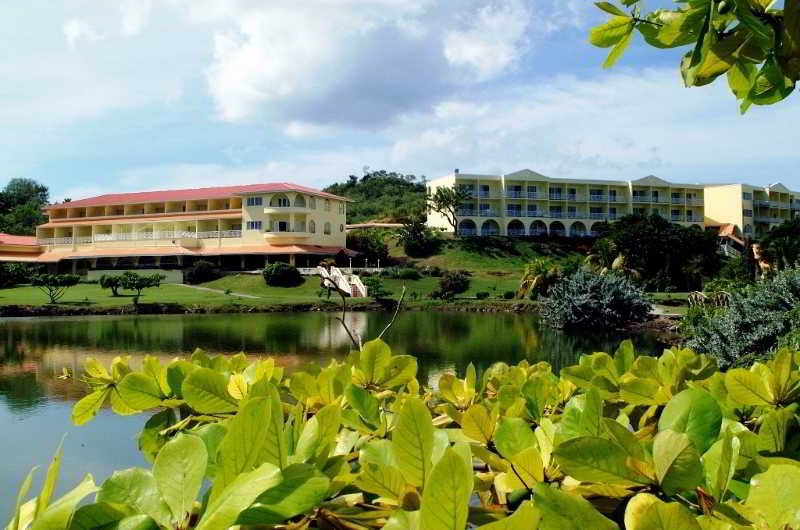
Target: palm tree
x,y
605,258
537,278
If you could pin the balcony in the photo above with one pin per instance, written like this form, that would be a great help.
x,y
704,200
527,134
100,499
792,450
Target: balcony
x,y
676,218
598,215
678,200
599,198
533,213
286,209
466,213
536,196
140,236
489,213
694,202
575,197
694,219
514,194
659,200
576,215
762,203
487,195
514,213
289,233
557,197
556,215
783,205
612,198
641,198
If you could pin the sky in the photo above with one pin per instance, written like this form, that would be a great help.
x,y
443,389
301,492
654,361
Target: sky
x,y
100,96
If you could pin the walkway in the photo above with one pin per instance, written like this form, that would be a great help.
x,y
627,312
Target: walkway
x,y
218,291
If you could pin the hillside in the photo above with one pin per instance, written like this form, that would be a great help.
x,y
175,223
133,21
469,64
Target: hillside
x,y
381,196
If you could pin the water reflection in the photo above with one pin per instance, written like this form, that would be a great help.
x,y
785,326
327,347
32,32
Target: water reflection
x,y
35,403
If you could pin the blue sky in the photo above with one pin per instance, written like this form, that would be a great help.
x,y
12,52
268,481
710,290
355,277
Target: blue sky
x,y
129,95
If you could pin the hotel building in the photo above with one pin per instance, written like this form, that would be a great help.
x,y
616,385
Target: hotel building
x,y
238,227
527,203
752,209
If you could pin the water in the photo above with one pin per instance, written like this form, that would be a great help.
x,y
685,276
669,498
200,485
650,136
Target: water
x,y
35,403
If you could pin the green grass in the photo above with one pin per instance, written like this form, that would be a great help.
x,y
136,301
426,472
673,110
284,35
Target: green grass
x,y
91,295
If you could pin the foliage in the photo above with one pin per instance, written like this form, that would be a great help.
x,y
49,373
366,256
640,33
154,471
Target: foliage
x,y
451,284
482,295
12,274
370,243
417,238
401,273
282,275
21,203
376,289
615,441
509,295
753,323
605,259
382,196
666,256
201,271
447,201
55,285
111,281
538,277
588,300
131,281
781,245
755,44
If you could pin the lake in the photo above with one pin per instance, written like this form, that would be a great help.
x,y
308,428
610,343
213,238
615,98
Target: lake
x,y
35,403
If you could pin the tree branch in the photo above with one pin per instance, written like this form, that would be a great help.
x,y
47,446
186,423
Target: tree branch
x,y
396,310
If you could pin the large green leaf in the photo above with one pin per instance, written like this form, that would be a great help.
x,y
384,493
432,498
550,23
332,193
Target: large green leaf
x,y
276,451
478,424
381,479
647,512
747,387
696,413
400,370
364,403
612,32
242,449
50,480
374,359
110,517
302,488
564,511
526,516
412,441
206,391
137,488
719,464
512,436
677,463
140,391
179,470
774,494
58,515
238,495
445,502
86,409
775,428
590,459
619,49
24,488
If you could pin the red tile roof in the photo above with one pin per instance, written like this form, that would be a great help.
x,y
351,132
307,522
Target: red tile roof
x,y
8,239
53,257
194,194
133,219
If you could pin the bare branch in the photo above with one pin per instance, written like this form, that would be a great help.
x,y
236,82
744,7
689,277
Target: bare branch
x,y
396,310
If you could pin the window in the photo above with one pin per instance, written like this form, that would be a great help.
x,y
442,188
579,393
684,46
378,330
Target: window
x,y
747,213
255,201
279,201
747,196
254,225
341,228
531,210
327,205
327,229
312,203
341,208
312,227
676,195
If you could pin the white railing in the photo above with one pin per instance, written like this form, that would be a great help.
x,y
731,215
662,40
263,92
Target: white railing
x,y
359,285
597,198
104,237
84,239
211,234
230,233
694,202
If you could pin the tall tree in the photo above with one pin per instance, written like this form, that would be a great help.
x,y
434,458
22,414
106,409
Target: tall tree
x,y
21,202
381,196
446,201
754,43
781,245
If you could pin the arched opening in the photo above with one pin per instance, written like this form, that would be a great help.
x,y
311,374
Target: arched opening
x,y
557,229
467,228
300,201
577,229
312,227
327,229
538,228
516,228
490,228
279,201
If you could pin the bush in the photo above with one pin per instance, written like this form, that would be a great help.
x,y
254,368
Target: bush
x,y
433,271
754,322
202,272
588,300
111,281
417,239
451,284
376,289
136,282
55,285
282,275
482,295
401,273
370,244
509,295
12,274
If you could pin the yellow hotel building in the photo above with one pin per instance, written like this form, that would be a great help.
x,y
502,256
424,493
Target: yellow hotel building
x,y
526,203
238,227
752,209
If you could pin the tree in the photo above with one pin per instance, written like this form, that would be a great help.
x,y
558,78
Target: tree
x,y
417,238
781,245
446,201
12,274
376,289
381,196
111,281
756,45
21,203
282,275
538,277
55,285
131,281
370,243
451,284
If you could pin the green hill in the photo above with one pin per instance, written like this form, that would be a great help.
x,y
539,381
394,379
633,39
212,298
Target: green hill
x,y
382,196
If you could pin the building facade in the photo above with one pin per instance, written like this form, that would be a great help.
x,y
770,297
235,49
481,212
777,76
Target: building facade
x,y
238,226
527,203
752,209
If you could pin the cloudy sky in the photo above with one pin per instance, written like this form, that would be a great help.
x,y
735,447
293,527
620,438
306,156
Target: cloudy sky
x,y
119,95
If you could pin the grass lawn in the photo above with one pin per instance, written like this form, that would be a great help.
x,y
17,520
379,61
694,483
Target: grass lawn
x,y
676,303
91,295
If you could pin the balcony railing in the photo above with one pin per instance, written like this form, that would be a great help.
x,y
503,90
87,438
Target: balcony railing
x,y
783,205
488,213
694,219
759,202
514,213
556,215
613,198
598,215
694,202
641,198
516,232
466,213
575,197
660,200
514,194
536,196
557,197
678,200
467,232
795,206
676,218
598,198
140,236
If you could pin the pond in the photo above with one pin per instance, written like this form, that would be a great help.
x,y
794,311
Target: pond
x,y
35,402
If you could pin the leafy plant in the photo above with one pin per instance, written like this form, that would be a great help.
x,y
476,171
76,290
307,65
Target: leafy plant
x,y
451,284
590,300
417,238
538,277
201,271
55,285
616,441
376,289
112,282
136,282
446,201
282,275
12,274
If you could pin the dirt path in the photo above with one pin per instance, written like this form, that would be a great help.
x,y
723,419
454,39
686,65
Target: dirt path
x,y
218,291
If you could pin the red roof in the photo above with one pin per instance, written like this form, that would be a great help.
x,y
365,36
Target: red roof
x,y
53,257
8,239
193,194
133,219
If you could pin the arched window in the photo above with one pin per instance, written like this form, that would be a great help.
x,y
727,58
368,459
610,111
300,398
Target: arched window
x,y
327,205
279,201
312,203
341,228
300,201
312,227
327,229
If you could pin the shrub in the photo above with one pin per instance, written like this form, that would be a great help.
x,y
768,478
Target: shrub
x,y
417,238
509,295
134,282
12,274
451,284
376,289
401,273
55,285
111,281
754,322
202,272
370,244
433,271
589,300
482,295
282,275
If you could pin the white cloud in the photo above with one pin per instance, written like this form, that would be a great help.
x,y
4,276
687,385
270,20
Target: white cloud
x,y
493,42
134,15
76,30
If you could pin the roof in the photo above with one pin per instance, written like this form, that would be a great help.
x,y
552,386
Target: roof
x,y
373,225
194,194
131,219
11,240
53,257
